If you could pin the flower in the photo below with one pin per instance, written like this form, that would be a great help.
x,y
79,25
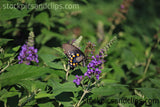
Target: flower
x,y
28,54
94,66
78,80
93,69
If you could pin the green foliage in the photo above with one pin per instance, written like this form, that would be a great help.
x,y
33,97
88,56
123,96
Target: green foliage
x,y
4,41
131,68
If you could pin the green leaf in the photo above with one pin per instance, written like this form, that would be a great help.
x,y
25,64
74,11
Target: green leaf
x,y
59,51
128,57
3,41
87,105
19,72
49,61
138,70
48,104
32,85
46,50
66,87
150,92
43,94
104,91
118,72
11,52
7,14
108,81
15,49
47,35
107,90
45,17
4,94
63,92
156,82
106,70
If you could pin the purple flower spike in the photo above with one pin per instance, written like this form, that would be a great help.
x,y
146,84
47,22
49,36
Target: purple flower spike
x,y
94,66
93,69
78,80
28,54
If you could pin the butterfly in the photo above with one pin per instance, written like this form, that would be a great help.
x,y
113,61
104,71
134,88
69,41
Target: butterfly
x,y
74,55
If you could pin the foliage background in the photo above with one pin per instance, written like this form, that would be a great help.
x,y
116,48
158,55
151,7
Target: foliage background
x,y
131,69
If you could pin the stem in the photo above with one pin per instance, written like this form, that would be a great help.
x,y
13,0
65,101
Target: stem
x,y
84,93
67,75
28,100
67,70
148,61
139,94
146,69
5,67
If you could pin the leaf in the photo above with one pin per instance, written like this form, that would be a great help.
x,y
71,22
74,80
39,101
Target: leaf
x,y
150,92
47,35
106,70
45,17
4,41
43,94
66,87
31,85
3,95
63,92
108,81
128,57
15,49
19,72
107,90
138,70
118,72
104,91
7,14
50,61
156,82
46,50
59,51
48,104
87,105
6,95
11,52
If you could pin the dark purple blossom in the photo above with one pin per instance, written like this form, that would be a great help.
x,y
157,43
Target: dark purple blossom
x,y
94,67
28,54
78,80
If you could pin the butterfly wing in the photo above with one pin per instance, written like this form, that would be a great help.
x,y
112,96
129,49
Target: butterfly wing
x,y
74,54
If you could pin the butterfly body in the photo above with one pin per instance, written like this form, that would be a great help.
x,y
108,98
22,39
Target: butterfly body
x,y
74,55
